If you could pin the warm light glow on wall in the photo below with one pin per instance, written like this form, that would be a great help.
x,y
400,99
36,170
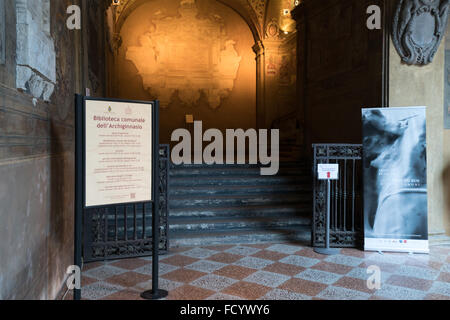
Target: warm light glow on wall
x,y
188,55
287,24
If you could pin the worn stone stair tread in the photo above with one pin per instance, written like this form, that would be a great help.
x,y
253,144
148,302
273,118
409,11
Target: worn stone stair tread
x,y
235,204
235,180
233,189
202,171
218,212
235,225
300,219
298,235
245,196
185,226
219,200
287,164
242,231
240,211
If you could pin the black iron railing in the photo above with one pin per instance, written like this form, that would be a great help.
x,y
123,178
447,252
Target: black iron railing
x,y
125,231
346,223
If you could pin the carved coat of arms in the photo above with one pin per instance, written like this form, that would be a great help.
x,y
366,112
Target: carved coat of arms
x,y
418,29
187,55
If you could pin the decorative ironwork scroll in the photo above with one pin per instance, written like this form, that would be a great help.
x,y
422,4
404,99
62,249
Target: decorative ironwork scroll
x,y
126,231
418,29
346,196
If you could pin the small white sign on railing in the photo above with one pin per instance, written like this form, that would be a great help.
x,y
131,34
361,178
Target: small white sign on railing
x,y
328,171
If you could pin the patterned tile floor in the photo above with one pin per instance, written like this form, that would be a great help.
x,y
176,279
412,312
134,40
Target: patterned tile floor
x,y
274,272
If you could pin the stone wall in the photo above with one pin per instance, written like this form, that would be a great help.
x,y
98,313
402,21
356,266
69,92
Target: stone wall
x,y
424,86
446,143
36,148
8,44
94,34
340,69
35,53
280,43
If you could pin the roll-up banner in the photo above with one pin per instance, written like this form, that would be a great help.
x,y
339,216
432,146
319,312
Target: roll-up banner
x,y
395,179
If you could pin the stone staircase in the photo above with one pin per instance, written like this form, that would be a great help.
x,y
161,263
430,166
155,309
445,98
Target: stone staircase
x,y
211,205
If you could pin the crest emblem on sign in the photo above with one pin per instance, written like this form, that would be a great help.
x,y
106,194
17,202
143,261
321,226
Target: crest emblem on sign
x,y
418,29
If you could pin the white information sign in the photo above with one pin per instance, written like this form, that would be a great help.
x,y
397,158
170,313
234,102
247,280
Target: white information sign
x,y
118,152
329,171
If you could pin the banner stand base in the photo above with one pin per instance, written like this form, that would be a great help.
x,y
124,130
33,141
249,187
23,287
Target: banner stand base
x,y
159,294
327,251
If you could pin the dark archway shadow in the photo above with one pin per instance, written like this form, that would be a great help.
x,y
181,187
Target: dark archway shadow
x,y
60,233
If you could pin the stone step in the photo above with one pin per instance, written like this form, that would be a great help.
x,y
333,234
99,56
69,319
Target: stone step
x,y
237,180
233,171
227,201
210,213
184,225
284,164
198,225
235,204
238,190
243,212
301,235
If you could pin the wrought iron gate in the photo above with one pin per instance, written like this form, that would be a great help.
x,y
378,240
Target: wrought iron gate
x,y
125,231
346,224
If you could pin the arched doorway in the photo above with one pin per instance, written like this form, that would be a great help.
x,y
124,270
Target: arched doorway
x,y
207,59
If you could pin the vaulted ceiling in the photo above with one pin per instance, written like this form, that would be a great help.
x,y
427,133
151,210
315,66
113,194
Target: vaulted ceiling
x,y
252,11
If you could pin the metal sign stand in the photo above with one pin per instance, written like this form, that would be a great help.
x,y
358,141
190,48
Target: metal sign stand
x,y
79,128
155,293
80,155
158,293
327,250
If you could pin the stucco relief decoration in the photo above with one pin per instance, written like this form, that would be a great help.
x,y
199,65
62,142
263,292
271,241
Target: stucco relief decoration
x,y
35,52
272,29
418,29
188,56
259,6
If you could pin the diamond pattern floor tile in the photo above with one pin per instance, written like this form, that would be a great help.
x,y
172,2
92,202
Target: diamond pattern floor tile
x,y
206,266
199,253
243,251
339,293
253,262
268,279
319,276
213,282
